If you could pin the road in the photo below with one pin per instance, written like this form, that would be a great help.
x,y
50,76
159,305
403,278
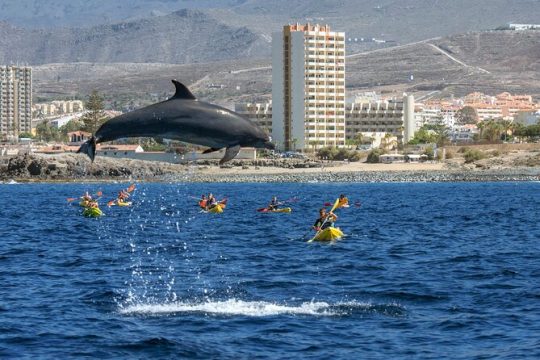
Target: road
x,y
457,60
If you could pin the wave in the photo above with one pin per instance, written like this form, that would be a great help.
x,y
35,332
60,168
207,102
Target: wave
x,y
263,308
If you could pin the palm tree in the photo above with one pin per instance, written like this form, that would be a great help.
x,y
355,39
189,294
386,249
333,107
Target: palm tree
x,y
506,125
481,126
387,142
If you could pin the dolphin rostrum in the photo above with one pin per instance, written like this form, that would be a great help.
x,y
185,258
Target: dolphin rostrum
x,y
184,118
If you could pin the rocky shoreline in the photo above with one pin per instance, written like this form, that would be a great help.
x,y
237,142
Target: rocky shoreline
x,y
76,168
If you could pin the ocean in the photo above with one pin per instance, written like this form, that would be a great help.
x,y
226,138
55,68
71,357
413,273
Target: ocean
x,y
426,270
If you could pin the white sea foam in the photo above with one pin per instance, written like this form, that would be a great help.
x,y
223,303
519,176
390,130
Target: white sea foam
x,y
244,308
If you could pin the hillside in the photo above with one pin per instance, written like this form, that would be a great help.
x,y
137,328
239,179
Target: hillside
x,y
491,62
398,20
185,36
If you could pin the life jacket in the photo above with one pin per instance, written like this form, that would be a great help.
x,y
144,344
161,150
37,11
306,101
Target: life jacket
x,y
202,203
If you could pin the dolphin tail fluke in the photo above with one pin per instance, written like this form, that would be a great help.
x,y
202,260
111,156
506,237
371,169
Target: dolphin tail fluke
x,y
89,148
230,153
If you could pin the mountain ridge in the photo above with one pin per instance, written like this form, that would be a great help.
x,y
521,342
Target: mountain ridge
x,y
184,36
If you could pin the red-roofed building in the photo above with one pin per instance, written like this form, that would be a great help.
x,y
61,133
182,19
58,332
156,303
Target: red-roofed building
x,y
78,137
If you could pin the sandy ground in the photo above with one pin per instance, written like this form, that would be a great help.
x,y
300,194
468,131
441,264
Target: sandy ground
x,y
336,168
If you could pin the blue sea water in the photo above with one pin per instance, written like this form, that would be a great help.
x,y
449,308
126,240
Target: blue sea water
x,y
436,270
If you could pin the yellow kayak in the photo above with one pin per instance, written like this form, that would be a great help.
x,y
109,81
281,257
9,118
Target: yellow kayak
x,y
282,210
328,234
122,203
218,209
92,212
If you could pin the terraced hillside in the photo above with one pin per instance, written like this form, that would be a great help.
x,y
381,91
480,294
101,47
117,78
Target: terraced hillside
x,y
492,62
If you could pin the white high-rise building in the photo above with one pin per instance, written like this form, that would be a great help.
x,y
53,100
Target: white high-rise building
x,y
15,101
308,87
409,125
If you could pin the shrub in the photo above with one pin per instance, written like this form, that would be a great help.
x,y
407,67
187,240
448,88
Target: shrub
x,y
430,152
338,154
327,153
373,156
472,155
449,154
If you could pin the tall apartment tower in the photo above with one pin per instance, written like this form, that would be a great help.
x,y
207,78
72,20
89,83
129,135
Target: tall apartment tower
x,y
15,101
409,125
308,87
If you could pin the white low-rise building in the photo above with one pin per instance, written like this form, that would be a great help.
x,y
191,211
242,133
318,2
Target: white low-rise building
x,y
259,113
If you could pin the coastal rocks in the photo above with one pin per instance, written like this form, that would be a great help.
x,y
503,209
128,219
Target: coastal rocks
x,y
25,165
73,167
36,167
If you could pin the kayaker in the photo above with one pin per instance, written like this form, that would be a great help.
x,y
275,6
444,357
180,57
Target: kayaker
x,y
86,197
273,204
325,220
202,202
343,201
211,202
123,195
93,204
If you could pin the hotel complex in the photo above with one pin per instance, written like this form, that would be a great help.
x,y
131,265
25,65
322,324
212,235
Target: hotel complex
x,y
308,87
15,101
394,116
259,113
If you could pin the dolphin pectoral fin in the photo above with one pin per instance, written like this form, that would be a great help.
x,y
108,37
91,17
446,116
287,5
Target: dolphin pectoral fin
x,y
182,92
230,153
208,151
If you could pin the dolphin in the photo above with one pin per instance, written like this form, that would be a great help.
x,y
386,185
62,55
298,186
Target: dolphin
x,y
182,117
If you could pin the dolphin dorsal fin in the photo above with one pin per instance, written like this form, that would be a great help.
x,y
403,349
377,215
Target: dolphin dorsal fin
x,y
182,92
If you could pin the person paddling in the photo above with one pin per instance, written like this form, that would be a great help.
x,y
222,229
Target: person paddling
x,y
123,195
273,204
211,202
202,202
93,204
343,201
325,220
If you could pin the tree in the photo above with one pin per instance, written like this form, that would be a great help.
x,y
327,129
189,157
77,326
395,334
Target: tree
x,y
374,156
441,133
466,115
94,116
46,132
72,125
506,125
491,129
422,136
25,135
387,142
294,142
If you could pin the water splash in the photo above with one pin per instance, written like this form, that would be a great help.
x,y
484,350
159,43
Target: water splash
x,y
235,307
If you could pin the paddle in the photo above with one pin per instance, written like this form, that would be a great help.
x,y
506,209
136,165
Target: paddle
x,y
130,189
325,220
99,193
357,204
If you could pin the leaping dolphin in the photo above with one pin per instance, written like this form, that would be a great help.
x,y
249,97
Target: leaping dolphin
x,y
184,118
